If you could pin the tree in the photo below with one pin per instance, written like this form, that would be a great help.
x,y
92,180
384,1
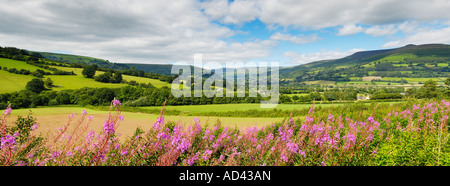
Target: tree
x,y
48,82
35,85
117,78
104,78
429,89
89,71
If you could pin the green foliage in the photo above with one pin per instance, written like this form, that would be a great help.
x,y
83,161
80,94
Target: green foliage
x,y
35,85
89,71
48,83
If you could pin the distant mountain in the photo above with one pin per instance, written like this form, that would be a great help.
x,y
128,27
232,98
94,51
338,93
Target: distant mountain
x,y
409,61
164,69
429,60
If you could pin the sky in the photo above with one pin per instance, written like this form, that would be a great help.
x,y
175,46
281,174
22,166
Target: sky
x,y
290,32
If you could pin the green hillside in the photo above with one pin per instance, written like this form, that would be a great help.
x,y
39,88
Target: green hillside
x,y
11,82
419,62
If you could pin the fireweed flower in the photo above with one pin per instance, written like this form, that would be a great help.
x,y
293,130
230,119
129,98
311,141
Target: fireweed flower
x,y
8,141
116,102
90,118
108,128
207,154
34,127
84,112
7,111
330,118
292,147
124,152
158,123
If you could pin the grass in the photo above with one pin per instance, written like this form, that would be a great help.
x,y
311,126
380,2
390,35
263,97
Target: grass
x,y
197,109
76,82
10,82
50,118
154,82
9,63
413,133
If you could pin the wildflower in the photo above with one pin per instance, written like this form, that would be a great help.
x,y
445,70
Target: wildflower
x,y
7,111
302,153
84,112
207,154
184,145
351,140
323,163
163,135
8,141
292,147
72,116
311,110
34,127
370,137
90,118
116,102
291,121
284,157
330,118
69,153
336,135
117,146
158,123
121,117
124,152
108,128
374,152
304,128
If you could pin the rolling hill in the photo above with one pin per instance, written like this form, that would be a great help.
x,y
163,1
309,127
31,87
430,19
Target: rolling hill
x,y
410,61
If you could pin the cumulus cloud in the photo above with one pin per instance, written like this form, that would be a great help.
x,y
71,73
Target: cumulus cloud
x,y
325,13
122,31
298,58
164,31
422,37
350,30
381,30
294,39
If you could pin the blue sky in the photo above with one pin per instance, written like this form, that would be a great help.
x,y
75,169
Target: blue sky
x,y
291,32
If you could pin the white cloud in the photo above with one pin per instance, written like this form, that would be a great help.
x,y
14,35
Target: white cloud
x,y
294,39
236,12
297,58
121,31
350,30
381,30
319,14
422,37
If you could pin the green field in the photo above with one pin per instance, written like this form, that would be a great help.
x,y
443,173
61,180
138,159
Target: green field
x,y
10,82
51,118
9,63
196,109
154,82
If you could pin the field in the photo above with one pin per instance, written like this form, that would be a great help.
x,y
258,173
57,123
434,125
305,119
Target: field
x,y
197,109
9,63
407,134
50,118
154,82
11,82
